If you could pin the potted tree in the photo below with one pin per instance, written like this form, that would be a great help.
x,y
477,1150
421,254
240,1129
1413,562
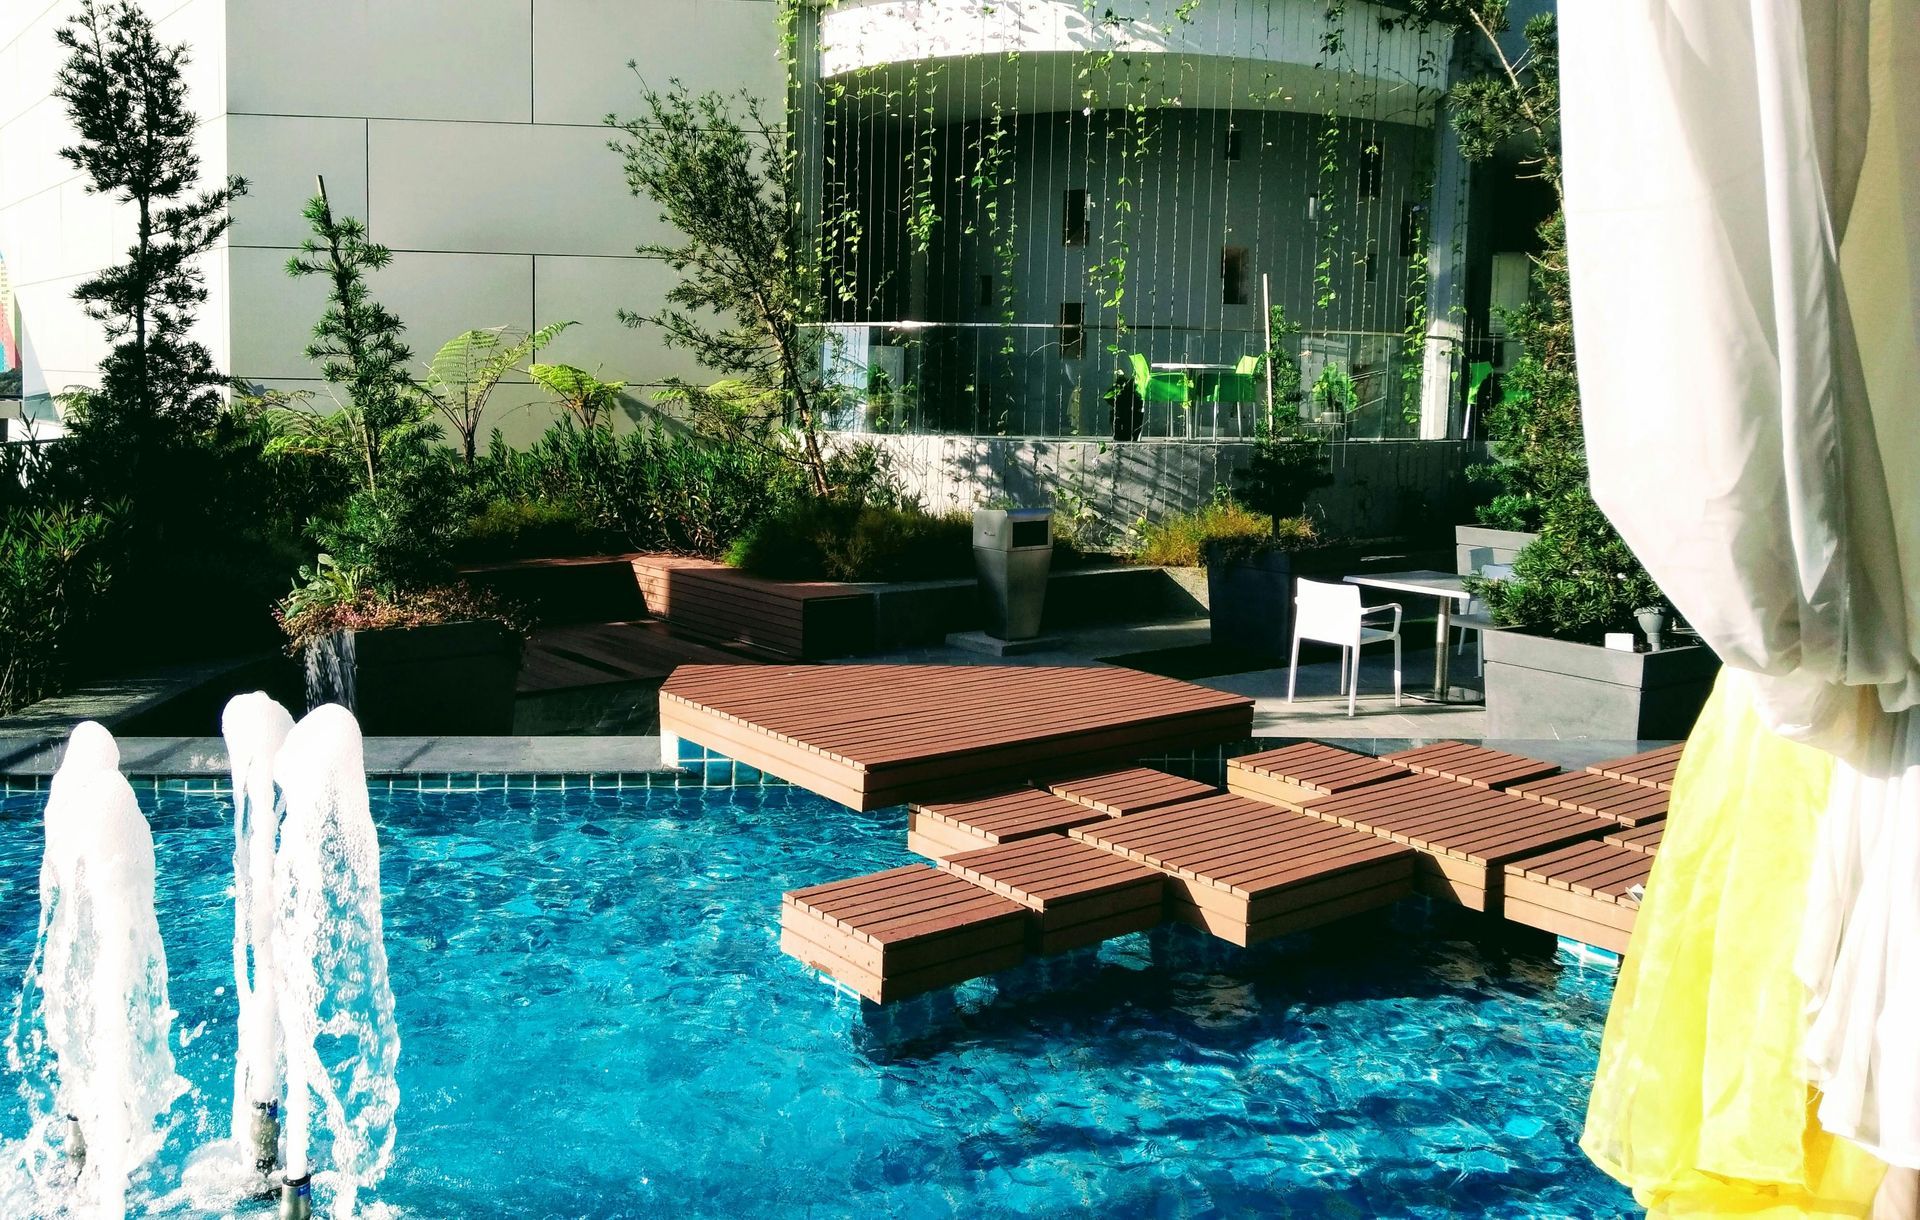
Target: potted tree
x,y
1250,579
1547,673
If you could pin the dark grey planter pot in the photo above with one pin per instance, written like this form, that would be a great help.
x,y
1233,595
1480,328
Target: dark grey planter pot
x,y
1476,546
1250,598
1539,687
451,679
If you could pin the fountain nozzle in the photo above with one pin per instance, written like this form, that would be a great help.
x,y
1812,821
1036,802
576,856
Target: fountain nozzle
x,y
296,1198
76,1143
266,1136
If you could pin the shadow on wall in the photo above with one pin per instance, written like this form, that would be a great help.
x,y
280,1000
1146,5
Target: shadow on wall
x,y
1379,488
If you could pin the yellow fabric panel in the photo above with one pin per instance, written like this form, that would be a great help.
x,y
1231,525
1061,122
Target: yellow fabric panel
x,y
1700,1103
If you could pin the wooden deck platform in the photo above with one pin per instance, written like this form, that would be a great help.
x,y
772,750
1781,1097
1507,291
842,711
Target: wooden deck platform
x,y
1654,769
601,654
1247,871
793,619
1639,838
870,736
951,827
1465,835
1579,892
1292,775
1076,894
1470,764
1600,796
1129,790
898,933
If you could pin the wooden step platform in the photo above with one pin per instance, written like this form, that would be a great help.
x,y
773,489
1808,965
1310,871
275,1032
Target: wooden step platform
x,y
1654,769
1600,796
798,619
1470,764
1638,838
1465,835
601,654
1579,892
1130,790
949,828
1247,871
898,933
1076,894
1291,775
870,736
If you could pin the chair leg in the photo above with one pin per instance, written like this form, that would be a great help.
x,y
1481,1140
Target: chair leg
x,y
1293,668
1396,671
1353,688
1480,653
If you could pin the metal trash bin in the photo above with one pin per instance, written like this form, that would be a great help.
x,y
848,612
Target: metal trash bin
x,y
1012,551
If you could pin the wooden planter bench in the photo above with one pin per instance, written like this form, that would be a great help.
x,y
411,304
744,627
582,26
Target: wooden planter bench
x,y
795,619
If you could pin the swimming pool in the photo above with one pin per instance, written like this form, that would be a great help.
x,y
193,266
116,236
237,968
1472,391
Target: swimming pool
x,y
596,1021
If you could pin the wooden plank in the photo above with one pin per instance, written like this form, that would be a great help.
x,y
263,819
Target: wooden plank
x,y
1519,906
1601,796
1639,838
1007,817
1313,766
1653,769
1129,790
1479,766
1077,893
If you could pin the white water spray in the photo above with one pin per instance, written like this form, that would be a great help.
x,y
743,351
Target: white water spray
x,y
330,967
92,1034
255,727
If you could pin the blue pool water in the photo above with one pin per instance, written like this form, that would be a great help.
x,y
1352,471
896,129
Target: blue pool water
x,y
596,1021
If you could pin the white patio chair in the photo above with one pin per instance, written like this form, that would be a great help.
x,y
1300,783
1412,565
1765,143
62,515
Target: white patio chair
x,y
1332,614
1477,619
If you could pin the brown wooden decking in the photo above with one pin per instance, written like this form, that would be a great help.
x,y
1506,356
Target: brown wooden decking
x,y
1291,775
1617,800
1246,871
1077,894
1654,769
1130,790
1465,835
1470,764
1639,838
599,654
869,736
800,620
897,933
1579,892
951,827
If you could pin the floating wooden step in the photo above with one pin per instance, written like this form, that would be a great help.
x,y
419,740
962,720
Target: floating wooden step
x,y
1470,764
1246,871
1653,769
1579,892
870,736
1638,838
1601,796
1131,790
1076,894
898,933
1291,775
1465,835
949,828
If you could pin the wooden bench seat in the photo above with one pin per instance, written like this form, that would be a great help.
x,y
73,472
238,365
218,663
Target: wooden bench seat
x,y
1465,835
1130,790
1653,769
1600,796
794,619
1580,892
1291,775
1470,764
949,828
1075,894
1247,871
898,933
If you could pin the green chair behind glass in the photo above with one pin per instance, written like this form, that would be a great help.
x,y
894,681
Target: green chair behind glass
x,y
1237,386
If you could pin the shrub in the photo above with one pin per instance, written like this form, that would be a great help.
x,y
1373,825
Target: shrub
x,y
54,567
816,539
331,597
1180,540
520,529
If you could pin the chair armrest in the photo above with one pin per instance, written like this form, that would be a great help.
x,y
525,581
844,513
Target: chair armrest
x,y
1393,606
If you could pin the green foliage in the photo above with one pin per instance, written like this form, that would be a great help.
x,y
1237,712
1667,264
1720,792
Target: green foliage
x,y
468,367
357,340
1180,540
587,397
126,96
1285,361
1288,464
748,284
523,529
1333,391
330,597
55,564
832,539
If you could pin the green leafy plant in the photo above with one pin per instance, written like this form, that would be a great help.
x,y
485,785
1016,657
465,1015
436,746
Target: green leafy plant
x,y
1333,391
1288,464
55,564
126,95
357,341
588,398
749,285
330,598
1180,540
522,529
469,367
827,539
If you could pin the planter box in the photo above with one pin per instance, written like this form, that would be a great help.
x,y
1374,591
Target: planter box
x,y
1250,600
1539,688
1476,546
452,679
